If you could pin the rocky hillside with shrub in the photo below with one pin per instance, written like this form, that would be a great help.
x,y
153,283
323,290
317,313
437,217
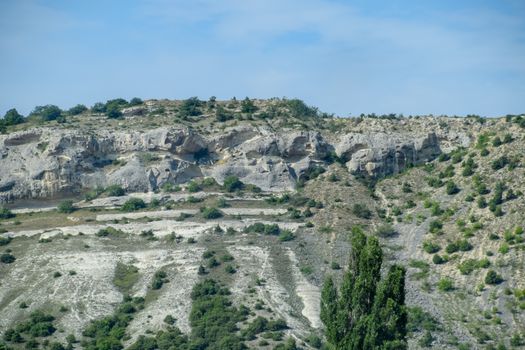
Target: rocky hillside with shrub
x,y
214,224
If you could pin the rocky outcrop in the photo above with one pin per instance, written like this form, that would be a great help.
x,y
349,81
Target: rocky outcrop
x,y
381,154
46,162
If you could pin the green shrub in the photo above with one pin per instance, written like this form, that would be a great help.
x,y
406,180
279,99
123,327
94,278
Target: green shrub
x,y
232,183
221,115
386,230
133,204
286,235
193,187
109,231
335,266
445,285
5,240
211,213
451,188
98,107
247,106
469,265
431,247
435,226
482,202
6,213
420,320
190,107
66,206
500,163
504,248
169,187
443,157
267,229
47,112
493,277
159,279
78,109
496,142
361,211
12,117
230,269
135,101
227,257
314,341
114,191
7,258
438,259
464,245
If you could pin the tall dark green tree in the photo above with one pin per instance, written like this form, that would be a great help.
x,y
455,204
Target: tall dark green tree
x,y
367,312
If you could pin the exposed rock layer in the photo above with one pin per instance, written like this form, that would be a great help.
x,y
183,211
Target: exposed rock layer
x,y
45,162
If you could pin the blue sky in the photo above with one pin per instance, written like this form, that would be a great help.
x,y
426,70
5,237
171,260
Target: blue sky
x,y
346,57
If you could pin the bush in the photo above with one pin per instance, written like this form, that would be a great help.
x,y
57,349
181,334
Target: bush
x,y
47,112
467,266
445,285
7,258
267,229
286,235
190,107
6,213
452,248
5,240
159,279
435,226
221,115
211,213
431,247
78,109
247,106
66,207
335,266
492,277
386,230
135,101
113,111
496,142
12,117
464,245
109,231
361,211
193,187
452,188
98,107
232,183
438,259
500,163
230,269
114,191
133,204
299,109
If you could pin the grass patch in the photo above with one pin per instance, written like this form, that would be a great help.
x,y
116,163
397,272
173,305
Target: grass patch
x,y
125,277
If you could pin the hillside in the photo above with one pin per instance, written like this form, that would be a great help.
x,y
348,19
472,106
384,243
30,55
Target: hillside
x,y
115,214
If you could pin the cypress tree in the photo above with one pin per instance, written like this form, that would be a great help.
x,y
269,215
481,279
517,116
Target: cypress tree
x,y
367,312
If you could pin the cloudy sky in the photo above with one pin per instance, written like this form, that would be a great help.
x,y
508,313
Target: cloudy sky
x,y
346,57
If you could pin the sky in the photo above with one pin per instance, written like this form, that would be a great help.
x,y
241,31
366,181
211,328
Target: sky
x,y
452,57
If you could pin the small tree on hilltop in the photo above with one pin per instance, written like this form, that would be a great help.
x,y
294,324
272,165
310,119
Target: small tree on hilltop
x,y
366,312
12,117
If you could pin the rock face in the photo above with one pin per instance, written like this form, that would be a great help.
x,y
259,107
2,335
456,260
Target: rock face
x,y
381,154
46,162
